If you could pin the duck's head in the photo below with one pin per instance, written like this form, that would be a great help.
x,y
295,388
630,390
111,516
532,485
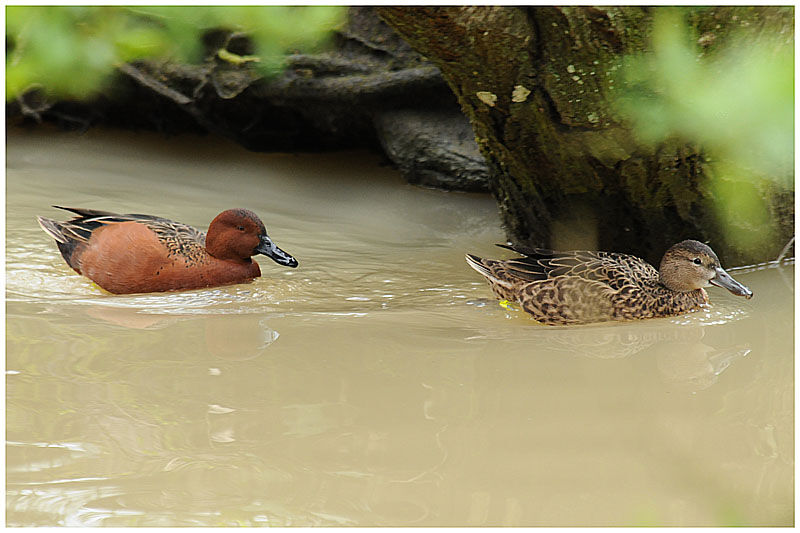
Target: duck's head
x,y
691,265
238,234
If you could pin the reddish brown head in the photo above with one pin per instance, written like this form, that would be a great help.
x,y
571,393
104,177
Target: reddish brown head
x,y
238,234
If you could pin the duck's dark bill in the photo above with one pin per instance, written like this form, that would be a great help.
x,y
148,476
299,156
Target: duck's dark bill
x,y
724,280
268,248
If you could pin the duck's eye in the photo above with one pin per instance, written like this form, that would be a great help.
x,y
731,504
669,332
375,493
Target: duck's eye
x,y
697,261
241,228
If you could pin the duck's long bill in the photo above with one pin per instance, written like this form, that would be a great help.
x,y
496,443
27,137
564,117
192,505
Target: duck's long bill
x,y
268,248
724,280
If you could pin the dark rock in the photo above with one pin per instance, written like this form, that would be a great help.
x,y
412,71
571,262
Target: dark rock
x,y
433,148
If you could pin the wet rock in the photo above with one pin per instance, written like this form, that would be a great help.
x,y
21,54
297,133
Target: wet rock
x,y
433,148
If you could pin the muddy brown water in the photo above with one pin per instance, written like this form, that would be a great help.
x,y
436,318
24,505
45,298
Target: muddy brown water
x,y
378,383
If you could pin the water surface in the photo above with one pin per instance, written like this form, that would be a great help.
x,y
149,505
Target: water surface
x,y
376,384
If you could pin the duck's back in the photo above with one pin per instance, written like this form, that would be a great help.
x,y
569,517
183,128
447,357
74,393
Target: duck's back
x,y
615,269
582,286
178,239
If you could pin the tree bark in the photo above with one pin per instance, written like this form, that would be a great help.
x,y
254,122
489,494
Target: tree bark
x,y
536,84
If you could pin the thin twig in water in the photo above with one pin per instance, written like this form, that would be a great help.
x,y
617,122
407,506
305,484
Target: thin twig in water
x,y
785,250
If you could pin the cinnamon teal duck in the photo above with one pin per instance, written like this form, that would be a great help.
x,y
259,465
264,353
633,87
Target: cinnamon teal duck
x,y
143,253
581,287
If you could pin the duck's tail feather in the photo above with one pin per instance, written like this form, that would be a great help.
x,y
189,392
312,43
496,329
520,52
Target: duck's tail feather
x,y
52,228
67,238
477,264
64,232
490,268
484,268
86,213
528,251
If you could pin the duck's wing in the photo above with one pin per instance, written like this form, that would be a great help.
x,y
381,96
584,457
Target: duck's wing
x,y
174,235
612,268
180,239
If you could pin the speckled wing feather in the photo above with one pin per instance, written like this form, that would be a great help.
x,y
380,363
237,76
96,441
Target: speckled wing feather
x,y
613,269
179,239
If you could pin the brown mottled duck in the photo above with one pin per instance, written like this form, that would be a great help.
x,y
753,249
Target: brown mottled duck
x,y
582,287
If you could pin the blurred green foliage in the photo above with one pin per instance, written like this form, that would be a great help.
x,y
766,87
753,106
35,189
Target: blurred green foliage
x,y
71,50
734,100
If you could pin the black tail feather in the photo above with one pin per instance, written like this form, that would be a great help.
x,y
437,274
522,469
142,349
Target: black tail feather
x,y
527,251
86,213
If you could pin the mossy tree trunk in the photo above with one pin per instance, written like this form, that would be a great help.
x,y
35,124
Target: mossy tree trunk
x,y
537,85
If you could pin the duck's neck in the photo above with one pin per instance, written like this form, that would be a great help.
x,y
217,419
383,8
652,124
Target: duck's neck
x,y
674,286
689,299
